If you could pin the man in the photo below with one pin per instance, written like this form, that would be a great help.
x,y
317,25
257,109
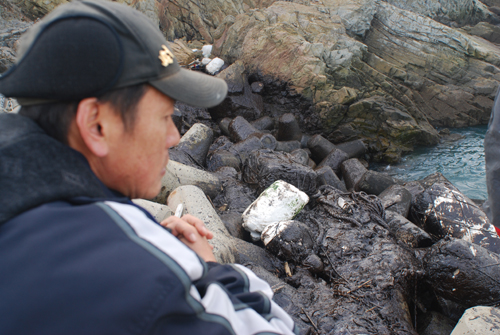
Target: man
x,y
97,86
492,160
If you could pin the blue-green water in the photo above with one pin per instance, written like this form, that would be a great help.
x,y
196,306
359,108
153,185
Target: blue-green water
x,y
461,162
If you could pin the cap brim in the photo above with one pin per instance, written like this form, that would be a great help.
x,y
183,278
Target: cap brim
x,y
193,88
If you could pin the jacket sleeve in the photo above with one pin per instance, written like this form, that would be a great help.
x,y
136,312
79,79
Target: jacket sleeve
x,y
237,294
492,158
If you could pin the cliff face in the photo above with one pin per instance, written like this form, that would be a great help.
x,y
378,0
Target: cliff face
x,y
385,71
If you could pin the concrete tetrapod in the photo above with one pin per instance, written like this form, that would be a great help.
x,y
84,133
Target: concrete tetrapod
x,y
178,174
196,203
196,142
479,320
158,211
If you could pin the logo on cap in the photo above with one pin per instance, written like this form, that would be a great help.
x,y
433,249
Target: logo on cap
x,y
166,56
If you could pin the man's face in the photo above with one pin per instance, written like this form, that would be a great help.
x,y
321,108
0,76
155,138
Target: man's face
x,y
137,159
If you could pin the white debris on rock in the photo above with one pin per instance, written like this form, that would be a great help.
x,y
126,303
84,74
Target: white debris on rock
x,y
214,65
279,202
205,61
206,50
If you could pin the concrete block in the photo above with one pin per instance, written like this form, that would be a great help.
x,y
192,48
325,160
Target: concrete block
x,y
158,211
196,203
479,320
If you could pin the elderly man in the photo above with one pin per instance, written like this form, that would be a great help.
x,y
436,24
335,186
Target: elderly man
x,y
97,85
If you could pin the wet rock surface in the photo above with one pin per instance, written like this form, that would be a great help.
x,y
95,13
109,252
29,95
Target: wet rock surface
x,y
444,211
353,262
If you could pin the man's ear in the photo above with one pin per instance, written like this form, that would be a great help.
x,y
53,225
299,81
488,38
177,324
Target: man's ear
x,y
89,117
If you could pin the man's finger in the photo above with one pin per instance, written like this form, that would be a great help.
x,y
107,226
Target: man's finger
x,y
200,226
181,227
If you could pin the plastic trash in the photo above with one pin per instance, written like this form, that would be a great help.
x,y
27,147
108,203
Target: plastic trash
x,y
206,50
279,202
214,65
205,61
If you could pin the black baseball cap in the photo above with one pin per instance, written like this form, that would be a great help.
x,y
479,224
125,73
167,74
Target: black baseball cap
x,y
87,48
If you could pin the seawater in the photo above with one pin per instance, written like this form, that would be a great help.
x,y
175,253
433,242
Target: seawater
x,y
461,162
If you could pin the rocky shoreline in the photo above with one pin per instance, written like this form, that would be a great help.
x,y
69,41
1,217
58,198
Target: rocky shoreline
x,y
317,89
395,257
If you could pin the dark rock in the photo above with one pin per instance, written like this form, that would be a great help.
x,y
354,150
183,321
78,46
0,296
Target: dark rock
x,y
192,115
365,256
434,323
257,87
450,309
304,140
240,129
334,159
313,263
196,142
463,272
311,164
182,157
320,147
288,128
248,253
225,172
177,118
237,195
373,182
326,176
222,143
268,141
224,126
396,198
264,167
263,123
442,210
287,146
220,158
241,101
289,240
352,171
354,149
244,148
406,231
286,297
415,188
232,220
300,156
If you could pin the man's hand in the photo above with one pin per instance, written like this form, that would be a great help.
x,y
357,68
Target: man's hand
x,y
193,233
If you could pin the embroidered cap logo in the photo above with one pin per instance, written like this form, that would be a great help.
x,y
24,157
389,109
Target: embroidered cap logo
x,y
166,56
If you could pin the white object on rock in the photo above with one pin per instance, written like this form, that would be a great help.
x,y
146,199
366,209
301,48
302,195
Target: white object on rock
x,y
479,320
206,50
214,65
279,202
205,61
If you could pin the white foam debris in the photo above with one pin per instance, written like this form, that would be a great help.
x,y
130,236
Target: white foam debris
x,y
206,50
214,65
279,202
205,61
